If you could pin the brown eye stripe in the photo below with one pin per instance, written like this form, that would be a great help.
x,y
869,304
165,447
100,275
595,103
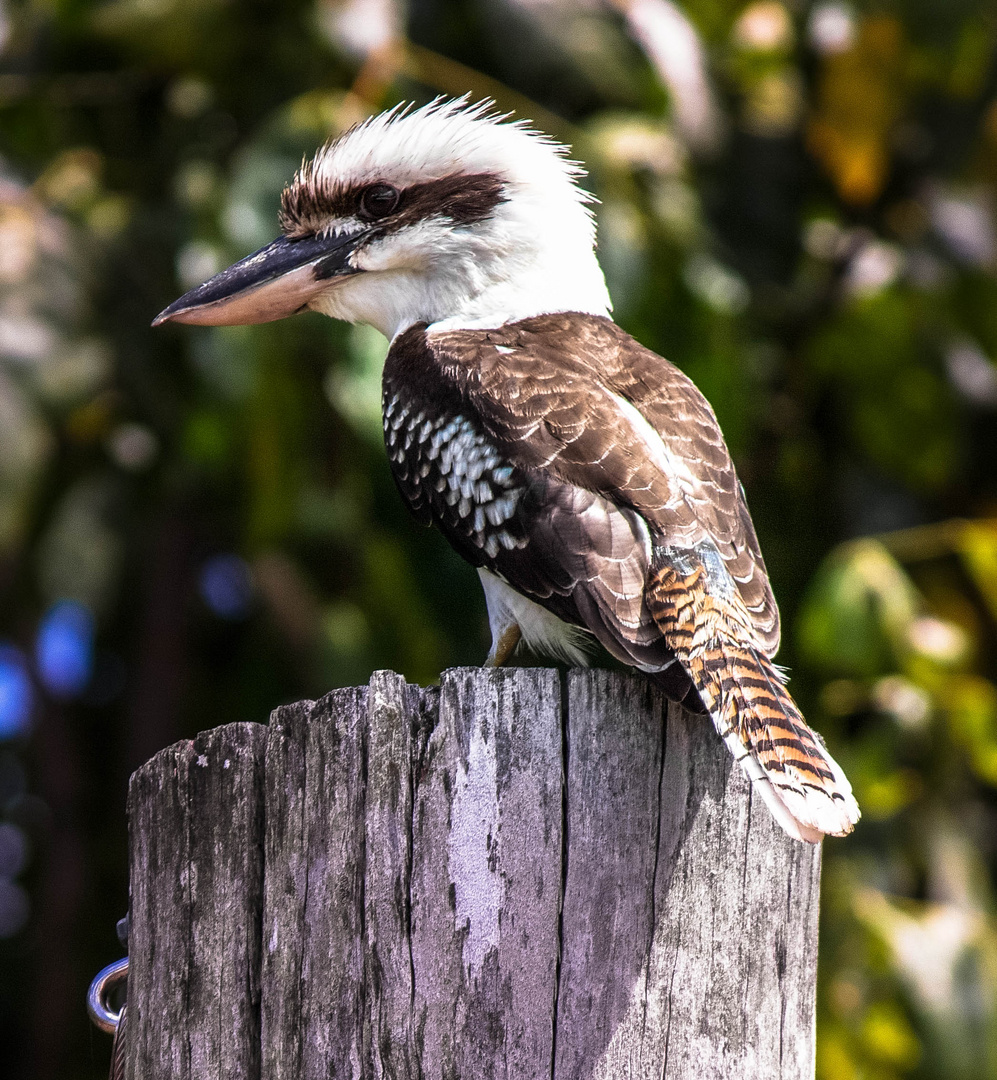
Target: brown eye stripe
x,y
463,199
309,202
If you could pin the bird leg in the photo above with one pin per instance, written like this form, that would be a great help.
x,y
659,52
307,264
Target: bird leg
x,y
502,621
503,645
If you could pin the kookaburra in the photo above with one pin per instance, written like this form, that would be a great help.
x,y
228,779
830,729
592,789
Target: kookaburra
x,y
584,476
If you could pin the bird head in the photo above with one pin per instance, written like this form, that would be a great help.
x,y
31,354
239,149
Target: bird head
x,y
447,214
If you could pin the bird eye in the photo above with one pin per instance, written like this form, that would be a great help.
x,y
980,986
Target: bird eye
x,y
378,200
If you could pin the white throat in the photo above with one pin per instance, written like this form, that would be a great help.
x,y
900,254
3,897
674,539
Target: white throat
x,y
566,280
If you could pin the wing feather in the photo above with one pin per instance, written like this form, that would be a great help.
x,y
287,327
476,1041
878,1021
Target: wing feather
x,y
556,398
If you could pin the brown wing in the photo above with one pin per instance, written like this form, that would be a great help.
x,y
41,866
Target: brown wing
x,y
568,394
572,549
674,404
588,560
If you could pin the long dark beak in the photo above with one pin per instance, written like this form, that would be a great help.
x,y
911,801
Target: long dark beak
x,y
270,284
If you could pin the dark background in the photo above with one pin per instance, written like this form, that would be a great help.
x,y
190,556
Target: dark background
x,y
797,207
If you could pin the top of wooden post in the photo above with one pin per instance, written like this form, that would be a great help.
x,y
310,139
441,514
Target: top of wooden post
x,y
513,875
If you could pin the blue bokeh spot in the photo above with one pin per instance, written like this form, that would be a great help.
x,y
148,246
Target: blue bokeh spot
x,y
227,586
16,693
64,649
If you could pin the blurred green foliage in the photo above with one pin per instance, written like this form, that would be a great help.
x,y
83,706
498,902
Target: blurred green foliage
x,y
797,207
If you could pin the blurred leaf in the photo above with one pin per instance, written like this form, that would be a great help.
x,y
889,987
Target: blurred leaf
x,y
857,104
888,793
972,708
978,545
889,1037
858,610
898,412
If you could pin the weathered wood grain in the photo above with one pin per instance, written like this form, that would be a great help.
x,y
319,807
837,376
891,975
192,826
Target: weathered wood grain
x,y
733,965
616,728
196,839
486,876
710,968
392,706
501,878
313,962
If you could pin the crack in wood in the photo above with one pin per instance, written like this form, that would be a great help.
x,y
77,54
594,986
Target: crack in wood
x,y
565,841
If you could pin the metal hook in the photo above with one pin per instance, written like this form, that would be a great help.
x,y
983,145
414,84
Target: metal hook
x,y
100,990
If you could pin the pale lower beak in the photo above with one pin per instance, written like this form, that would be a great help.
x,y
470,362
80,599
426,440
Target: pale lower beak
x,y
272,283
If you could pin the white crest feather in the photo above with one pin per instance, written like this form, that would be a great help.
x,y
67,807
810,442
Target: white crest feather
x,y
535,253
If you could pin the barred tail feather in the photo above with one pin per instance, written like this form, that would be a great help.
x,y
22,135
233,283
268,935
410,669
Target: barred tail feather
x,y
773,800
701,614
804,787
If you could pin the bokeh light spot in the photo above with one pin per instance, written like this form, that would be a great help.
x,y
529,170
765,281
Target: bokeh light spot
x,y
64,649
831,28
16,693
133,446
227,586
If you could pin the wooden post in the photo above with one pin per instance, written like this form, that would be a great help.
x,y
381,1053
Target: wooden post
x,y
512,876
